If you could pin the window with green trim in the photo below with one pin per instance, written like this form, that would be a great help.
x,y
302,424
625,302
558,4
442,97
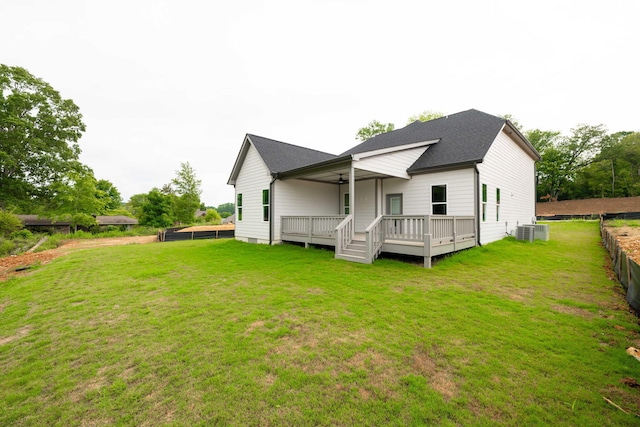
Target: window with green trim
x,y
497,204
346,203
265,205
239,206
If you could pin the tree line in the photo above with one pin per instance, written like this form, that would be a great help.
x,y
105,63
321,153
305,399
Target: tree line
x,y
40,170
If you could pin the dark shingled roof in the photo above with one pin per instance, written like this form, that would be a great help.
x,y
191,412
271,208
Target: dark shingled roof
x,y
463,137
280,156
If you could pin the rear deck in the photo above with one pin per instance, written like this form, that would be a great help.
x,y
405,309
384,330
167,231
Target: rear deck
x,y
425,236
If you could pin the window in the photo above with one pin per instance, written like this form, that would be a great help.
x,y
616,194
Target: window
x,y
497,204
239,206
265,205
394,204
484,202
439,199
346,203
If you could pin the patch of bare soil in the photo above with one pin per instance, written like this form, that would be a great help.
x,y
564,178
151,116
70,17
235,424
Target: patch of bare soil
x,y
208,228
14,264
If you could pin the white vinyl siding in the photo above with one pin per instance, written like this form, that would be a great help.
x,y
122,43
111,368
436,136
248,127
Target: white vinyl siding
x,y
298,197
365,204
416,192
394,164
252,179
508,168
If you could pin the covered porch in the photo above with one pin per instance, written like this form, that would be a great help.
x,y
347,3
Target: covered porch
x,y
378,207
426,236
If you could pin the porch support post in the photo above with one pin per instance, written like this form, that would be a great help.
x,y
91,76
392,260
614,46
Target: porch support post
x,y
427,241
352,192
427,251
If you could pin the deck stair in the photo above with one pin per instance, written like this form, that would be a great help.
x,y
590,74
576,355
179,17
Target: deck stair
x,y
355,251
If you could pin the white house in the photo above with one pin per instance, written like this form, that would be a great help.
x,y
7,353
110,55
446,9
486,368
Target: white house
x,y
426,189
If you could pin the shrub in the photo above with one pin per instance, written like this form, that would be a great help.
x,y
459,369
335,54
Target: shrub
x,y
52,242
6,247
9,223
21,234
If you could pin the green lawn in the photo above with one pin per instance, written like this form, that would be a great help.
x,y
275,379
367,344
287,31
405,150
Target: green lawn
x,y
227,333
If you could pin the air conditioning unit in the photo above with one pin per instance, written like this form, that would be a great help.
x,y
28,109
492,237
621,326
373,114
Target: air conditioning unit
x,y
525,232
541,231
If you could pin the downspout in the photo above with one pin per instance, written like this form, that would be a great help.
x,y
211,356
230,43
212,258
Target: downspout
x,y
271,198
477,203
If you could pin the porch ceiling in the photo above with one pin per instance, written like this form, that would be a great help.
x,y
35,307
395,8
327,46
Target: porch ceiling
x,y
333,175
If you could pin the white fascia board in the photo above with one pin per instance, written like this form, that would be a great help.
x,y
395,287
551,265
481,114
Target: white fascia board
x,y
393,149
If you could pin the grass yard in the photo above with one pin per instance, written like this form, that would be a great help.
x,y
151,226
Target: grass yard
x,y
226,333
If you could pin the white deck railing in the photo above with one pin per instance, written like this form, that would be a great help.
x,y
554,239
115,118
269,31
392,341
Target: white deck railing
x,y
311,225
374,237
344,233
412,228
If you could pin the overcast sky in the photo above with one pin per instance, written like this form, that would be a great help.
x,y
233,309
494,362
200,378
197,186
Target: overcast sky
x,y
164,82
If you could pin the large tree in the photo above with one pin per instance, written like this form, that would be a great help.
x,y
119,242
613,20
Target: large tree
x,y
39,133
77,197
135,204
156,211
564,157
187,199
614,172
110,194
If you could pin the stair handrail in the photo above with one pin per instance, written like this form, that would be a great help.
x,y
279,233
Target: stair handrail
x,y
344,233
374,238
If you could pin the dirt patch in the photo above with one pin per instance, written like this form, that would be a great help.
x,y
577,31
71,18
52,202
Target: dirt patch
x,y
585,314
208,228
15,264
629,240
22,332
439,376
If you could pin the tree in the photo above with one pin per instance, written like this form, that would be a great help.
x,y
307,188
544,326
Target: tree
x,y
77,198
563,157
212,216
226,209
135,203
513,121
39,131
372,129
615,171
167,189
425,116
156,212
186,181
184,208
110,195
188,191
8,223
542,139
